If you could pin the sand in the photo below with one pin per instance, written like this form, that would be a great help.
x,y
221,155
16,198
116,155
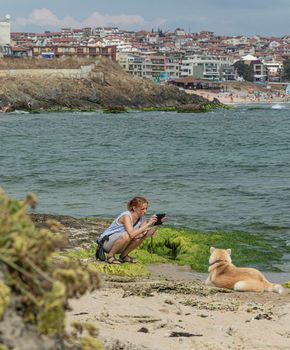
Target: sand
x,y
241,97
173,309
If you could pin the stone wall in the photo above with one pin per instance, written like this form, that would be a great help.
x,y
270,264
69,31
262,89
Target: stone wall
x,y
83,72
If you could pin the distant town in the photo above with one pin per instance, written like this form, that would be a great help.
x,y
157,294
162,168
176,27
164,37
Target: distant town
x,y
159,55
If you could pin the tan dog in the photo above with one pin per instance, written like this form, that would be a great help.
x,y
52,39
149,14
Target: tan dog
x,y
223,274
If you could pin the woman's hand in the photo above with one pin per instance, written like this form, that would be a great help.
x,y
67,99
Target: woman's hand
x,y
163,219
153,219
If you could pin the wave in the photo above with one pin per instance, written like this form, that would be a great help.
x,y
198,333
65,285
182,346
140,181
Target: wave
x,y
278,106
18,111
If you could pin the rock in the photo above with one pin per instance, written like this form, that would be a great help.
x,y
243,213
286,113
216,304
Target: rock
x,y
81,232
106,85
143,330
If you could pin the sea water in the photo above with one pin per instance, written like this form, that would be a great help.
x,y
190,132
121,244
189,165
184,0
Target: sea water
x,y
222,170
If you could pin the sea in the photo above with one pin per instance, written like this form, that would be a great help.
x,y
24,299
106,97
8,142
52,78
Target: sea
x,y
222,170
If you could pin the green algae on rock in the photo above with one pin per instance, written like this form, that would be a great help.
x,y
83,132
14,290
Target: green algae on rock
x,y
191,247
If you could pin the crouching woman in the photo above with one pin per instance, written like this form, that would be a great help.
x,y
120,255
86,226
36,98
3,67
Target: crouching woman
x,y
127,232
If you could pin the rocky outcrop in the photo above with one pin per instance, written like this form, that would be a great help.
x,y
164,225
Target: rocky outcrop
x,y
107,85
81,233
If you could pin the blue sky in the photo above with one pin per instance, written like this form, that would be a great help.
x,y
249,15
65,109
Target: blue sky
x,y
229,17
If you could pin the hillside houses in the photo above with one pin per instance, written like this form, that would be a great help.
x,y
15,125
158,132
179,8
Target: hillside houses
x,y
156,55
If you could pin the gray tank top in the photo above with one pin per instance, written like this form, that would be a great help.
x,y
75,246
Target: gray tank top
x,y
116,227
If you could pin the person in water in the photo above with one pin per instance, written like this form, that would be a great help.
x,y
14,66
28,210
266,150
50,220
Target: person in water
x,y
127,232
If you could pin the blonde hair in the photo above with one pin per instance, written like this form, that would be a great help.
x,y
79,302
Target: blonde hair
x,y
136,202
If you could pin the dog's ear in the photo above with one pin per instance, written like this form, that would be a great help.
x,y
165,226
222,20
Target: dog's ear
x,y
229,251
212,249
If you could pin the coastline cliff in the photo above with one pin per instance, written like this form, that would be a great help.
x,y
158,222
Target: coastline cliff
x,y
105,85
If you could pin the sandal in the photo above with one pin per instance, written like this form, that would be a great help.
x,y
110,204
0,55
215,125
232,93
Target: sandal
x,y
128,259
112,260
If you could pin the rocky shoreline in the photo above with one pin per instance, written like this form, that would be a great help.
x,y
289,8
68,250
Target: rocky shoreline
x,y
81,233
107,85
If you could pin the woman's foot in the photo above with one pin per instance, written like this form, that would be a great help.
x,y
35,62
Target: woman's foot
x,y
128,259
112,260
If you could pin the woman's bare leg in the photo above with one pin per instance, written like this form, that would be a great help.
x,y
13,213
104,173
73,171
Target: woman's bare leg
x,y
132,245
119,245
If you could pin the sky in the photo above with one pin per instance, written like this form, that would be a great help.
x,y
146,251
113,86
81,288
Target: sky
x,y
223,17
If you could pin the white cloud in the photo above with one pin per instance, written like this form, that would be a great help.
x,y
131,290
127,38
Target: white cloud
x,y
47,19
39,17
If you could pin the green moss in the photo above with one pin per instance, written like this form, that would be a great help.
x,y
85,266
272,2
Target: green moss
x,y
190,247
143,257
82,253
201,108
286,284
254,108
126,270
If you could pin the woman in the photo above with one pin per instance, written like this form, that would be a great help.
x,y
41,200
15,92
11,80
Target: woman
x,y
127,231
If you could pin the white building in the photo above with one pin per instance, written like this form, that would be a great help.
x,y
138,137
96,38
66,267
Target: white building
x,y
5,29
207,67
172,67
273,69
132,64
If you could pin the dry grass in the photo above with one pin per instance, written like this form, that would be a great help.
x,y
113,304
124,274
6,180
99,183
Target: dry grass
x,y
36,63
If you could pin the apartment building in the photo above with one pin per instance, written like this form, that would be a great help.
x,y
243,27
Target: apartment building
x,y
78,50
131,63
149,66
273,69
207,67
172,67
260,71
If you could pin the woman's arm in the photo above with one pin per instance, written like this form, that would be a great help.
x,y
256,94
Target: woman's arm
x,y
153,229
133,233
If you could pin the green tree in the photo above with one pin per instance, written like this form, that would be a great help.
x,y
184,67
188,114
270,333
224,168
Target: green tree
x,y
244,70
160,33
286,69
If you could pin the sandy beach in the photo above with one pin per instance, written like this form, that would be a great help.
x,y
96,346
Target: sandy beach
x,y
241,97
174,309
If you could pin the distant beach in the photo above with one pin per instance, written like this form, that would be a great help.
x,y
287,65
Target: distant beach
x,y
239,97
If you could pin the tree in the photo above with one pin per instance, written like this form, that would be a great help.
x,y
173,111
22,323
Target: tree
x,y
244,70
160,33
286,69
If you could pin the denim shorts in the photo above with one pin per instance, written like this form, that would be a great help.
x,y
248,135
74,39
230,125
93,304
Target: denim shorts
x,y
112,239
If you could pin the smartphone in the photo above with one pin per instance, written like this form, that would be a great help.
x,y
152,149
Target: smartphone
x,y
159,217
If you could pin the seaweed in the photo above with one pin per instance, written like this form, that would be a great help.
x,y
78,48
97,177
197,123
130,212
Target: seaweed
x,y
191,247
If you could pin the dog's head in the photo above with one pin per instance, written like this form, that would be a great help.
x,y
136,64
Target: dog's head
x,y
217,255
